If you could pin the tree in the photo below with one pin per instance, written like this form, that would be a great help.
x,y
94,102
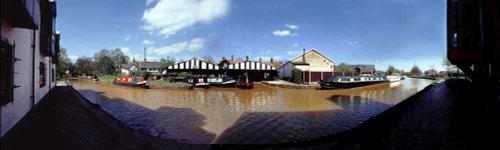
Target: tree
x,y
342,67
169,61
296,76
119,58
103,61
208,59
415,71
64,63
392,70
83,65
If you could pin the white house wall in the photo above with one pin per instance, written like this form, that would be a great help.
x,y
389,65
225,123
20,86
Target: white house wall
x,y
12,112
317,63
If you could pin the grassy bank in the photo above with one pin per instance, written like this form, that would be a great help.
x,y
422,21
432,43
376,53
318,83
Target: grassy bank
x,y
106,78
165,83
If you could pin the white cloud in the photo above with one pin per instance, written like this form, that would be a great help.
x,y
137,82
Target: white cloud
x,y
196,44
292,52
295,44
147,42
128,37
193,45
354,43
168,17
291,26
284,33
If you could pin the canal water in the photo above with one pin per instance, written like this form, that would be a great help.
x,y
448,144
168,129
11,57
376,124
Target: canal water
x,y
264,114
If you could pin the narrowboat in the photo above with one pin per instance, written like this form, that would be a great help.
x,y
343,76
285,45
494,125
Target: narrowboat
x,y
244,82
343,82
222,81
200,82
395,77
132,82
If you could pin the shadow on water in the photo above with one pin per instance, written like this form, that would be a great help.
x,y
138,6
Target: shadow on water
x,y
180,124
296,128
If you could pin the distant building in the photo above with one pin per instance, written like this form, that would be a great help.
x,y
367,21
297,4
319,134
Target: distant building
x,y
443,73
431,73
154,68
314,66
359,69
29,48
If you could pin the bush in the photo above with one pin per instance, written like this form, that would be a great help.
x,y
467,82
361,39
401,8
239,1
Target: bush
x,y
296,76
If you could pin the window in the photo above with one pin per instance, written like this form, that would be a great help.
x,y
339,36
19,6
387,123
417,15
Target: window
x,y
41,70
357,79
6,73
53,74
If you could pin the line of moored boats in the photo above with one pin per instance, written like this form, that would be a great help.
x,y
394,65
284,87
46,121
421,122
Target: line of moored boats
x,y
244,82
200,82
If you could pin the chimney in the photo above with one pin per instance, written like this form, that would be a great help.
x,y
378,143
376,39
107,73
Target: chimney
x,y
246,58
260,59
223,58
232,58
304,55
144,54
271,60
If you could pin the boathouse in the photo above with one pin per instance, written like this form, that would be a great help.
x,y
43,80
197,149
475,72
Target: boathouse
x,y
195,67
313,64
257,71
29,47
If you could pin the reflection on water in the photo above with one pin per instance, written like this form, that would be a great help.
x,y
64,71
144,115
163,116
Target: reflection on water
x,y
262,115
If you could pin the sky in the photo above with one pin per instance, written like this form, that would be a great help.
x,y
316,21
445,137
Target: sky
x,y
380,32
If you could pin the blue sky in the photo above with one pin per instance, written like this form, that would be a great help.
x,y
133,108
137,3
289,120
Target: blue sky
x,y
380,32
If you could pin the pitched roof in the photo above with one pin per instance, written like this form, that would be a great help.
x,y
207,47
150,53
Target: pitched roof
x,y
313,50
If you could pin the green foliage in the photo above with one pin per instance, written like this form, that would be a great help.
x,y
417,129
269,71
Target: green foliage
x,y
83,65
415,72
392,70
182,74
342,67
296,76
64,63
169,61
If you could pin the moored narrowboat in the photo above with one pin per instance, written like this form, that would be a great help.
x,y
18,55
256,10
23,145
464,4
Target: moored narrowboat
x,y
222,81
200,82
244,82
132,82
343,82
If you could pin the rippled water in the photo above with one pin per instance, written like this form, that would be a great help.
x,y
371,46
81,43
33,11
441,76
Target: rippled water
x,y
264,114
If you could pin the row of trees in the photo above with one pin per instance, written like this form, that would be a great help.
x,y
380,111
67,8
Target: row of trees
x,y
105,61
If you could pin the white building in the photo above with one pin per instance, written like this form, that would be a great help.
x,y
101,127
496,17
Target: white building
x,y
28,54
314,66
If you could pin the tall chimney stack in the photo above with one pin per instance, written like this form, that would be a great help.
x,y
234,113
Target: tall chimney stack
x,y
144,54
304,55
232,57
246,58
271,60
260,59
